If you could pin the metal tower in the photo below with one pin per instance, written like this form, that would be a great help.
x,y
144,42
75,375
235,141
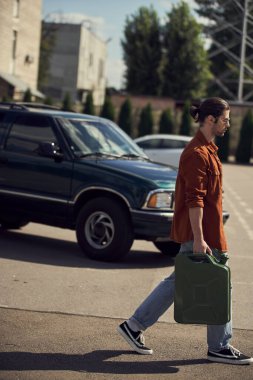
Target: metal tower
x,y
243,35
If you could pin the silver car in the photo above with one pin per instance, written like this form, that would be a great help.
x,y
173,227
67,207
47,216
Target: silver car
x,y
163,148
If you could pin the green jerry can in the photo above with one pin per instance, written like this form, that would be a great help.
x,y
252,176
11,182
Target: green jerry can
x,y
202,290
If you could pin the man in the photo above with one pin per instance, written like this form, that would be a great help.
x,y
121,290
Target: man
x,y
198,226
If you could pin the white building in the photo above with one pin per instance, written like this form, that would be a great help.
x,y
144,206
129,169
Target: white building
x,y
77,63
20,28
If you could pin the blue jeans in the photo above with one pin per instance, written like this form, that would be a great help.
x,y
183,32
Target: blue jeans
x,y
162,297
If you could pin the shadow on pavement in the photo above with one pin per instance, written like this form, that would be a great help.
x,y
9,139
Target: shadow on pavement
x,y
51,251
93,362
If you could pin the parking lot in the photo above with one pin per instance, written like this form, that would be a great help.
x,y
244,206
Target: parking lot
x,y
43,269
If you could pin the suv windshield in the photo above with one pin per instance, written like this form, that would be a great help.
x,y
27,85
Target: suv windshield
x,y
100,138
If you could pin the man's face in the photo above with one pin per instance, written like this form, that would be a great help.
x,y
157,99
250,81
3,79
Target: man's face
x,y
221,124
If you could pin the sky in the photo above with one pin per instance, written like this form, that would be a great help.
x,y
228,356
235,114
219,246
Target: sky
x,y
107,19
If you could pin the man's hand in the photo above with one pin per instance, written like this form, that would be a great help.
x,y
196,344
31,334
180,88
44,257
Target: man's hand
x,y
200,246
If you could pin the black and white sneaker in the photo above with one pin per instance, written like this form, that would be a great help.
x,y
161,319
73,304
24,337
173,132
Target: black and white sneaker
x,y
229,356
135,339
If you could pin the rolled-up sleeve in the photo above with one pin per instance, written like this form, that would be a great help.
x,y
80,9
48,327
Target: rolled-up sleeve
x,y
194,173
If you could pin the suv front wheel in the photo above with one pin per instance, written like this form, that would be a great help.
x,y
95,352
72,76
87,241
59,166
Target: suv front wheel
x,y
104,230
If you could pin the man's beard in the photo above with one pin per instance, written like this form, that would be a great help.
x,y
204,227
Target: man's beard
x,y
221,133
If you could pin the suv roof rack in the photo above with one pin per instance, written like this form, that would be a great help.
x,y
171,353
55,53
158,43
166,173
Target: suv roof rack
x,y
13,105
39,105
26,106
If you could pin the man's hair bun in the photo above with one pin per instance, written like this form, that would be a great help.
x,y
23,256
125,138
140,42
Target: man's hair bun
x,y
194,112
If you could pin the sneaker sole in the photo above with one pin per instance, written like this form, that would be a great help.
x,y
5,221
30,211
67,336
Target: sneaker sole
x,y
131,343
230,361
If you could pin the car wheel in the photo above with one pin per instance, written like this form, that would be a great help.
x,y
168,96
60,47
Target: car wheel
x,y
104,230
12,223
168,248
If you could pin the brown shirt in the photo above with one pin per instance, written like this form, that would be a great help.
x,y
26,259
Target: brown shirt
x,y
199,184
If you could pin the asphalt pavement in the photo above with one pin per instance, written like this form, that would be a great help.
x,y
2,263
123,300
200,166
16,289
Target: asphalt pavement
x,y
59,311
36,345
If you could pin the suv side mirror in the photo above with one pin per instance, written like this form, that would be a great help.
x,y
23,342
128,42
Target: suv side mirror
x,y
50,149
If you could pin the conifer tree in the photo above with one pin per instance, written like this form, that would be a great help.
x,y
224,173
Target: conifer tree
x,y
185,126
186,65
27,96
142,49
5,98
166,124
108,111
48,101
243,152
89,106
145,126
67,103
125,117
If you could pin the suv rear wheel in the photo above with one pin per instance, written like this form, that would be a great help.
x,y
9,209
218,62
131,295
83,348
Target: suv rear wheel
x,y
104,230
168,248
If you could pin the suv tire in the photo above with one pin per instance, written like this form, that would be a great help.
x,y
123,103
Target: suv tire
x,y
168,248
104,230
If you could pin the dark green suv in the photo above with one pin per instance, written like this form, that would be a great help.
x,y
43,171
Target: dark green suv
x,y
83,173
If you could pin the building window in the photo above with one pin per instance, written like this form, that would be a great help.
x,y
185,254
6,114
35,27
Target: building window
x,y
101,69
14,51
14,44
16,7
91,60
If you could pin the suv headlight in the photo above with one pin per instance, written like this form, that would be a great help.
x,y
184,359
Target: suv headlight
x,y
159,199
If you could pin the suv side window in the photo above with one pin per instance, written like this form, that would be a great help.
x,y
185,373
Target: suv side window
x,y
150,144
27,132
2,125
172,144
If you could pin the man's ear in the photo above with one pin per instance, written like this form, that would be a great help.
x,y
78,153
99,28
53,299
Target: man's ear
x,y
211,118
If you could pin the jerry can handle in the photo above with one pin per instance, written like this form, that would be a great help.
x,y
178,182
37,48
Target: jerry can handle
x,y
201,256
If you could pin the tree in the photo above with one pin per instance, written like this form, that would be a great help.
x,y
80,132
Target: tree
x,y
67,102
145,126
223,145
224,30
185,126
108,111
186,66
48,100
89,106
125,117
142,52
243,152
27,96
166,124
5,98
